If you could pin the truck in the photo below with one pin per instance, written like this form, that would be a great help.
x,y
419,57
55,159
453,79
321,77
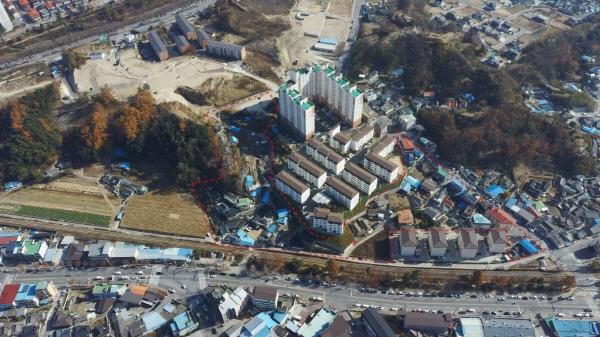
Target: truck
x,y
99,278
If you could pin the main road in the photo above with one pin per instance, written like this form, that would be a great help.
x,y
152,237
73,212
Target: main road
x,y
188,281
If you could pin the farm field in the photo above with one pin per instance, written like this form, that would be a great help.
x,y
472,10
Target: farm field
x,y
171,213
70,194
63,215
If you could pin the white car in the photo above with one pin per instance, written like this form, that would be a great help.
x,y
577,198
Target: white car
x,y
171,291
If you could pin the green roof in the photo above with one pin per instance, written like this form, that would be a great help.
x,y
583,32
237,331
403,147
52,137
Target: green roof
x,y
243,202
303,71
316,68
329,71
107,288
31,247
283,87
342,82
306,105
356,92
293,93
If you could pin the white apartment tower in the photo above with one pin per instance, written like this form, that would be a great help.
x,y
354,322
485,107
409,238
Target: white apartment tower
x,y
323,84
296,111
5,21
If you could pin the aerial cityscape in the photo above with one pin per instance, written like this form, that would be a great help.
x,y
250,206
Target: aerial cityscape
x,y
301,168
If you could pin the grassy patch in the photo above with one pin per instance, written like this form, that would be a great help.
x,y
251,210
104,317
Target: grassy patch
x,y
362,202
64,215
343,240
377,247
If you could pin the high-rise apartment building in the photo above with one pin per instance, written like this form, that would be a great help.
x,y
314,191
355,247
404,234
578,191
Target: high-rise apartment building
x,y
319,84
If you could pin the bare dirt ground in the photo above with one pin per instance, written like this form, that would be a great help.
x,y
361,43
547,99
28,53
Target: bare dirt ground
x,y
171,213
220,91
340,7
24,79
312,6
80,194
162,78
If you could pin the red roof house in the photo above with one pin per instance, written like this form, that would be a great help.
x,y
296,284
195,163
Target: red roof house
x,y
8,239
8,295
501,217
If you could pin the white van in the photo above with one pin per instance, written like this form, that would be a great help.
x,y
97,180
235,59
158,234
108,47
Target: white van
x,y
98,278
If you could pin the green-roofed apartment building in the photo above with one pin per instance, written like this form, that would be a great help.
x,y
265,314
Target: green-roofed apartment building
x,y
318,83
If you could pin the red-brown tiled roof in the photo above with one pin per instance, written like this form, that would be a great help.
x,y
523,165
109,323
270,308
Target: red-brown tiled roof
x,y
9,293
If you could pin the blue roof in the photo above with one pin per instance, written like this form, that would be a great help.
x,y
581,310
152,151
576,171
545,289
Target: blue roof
x,y
511,202
320,322
406,186
272,228
479,219
244,239
185,252
26,292
328,40
249,181
120,152
279,316
182,321
414,182
5,234
575,328
269,322
282,220
153,321
528,246
12,184
597,221
494,190
233,139
234,129
282,212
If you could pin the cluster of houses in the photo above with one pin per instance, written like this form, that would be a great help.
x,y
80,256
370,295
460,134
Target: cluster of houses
x,y
37,11
331,170
18,247
187,35
275,314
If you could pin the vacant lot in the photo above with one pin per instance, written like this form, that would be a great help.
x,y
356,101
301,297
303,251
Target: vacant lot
x,y
340,7
170,213
376,248
220,91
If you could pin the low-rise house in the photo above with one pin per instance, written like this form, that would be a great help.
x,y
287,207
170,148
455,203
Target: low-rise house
x,y
183,324
407,239
327,221
426,323
265,298
468,244
232,304
501,217
375,325
100,291
318,323
405,217
438,243
496,240
8,295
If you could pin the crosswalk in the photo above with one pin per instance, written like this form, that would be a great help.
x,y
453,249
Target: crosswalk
x,y
155,278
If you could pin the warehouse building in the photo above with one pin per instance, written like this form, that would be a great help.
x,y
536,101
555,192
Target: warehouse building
x,y
292,187
360,178
228,51
306,169
182,44
325,156
341,192
327,221
158,45
185,27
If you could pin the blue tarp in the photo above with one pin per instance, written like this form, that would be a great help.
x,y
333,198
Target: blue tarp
x,y
124,165
590,130
282,220
244,239
511,202
281,212
272,228
494,190
233,139
234,129
414,182
265,198
479,219
119,152
249,181
11,185
529,247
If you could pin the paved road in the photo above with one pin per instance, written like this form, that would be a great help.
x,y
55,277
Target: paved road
x,y
187,281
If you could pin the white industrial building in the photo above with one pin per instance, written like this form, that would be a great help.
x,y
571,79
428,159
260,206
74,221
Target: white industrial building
x,y
327,221
341,192
325,156
292,187
381,167
296,111
358,177
306,169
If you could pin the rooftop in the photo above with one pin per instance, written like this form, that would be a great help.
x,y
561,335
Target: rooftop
x,y
325,150
360,173
265,293
318,323
341,187
438,237
306,164
381,162
292,182
508,327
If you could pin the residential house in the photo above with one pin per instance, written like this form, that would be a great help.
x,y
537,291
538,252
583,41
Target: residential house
x,y
232,304
468,244
265,298
430,324
438,244
408,241
375,325
496,240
